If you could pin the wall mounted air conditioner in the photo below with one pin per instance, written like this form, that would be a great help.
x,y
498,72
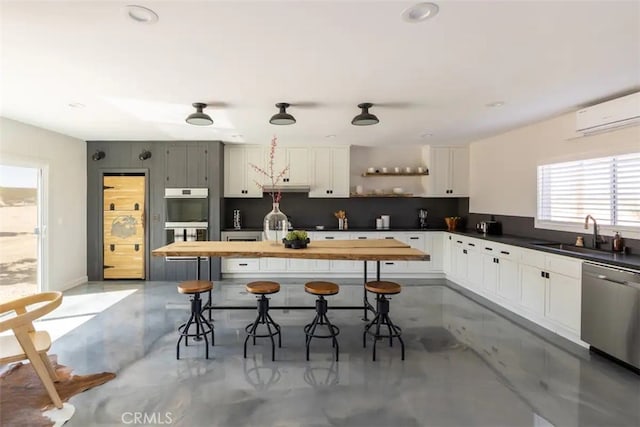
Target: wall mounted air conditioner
x,y
619,112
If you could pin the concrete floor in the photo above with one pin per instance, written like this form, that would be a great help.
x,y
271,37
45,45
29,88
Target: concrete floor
x,y
465,366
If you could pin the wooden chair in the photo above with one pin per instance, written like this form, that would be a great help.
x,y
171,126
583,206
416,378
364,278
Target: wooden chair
x,y
27,343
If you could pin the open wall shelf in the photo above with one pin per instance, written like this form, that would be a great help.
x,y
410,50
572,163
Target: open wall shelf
x,y
367,174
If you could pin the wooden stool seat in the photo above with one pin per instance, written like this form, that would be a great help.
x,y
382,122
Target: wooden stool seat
x,y
382,287
321,288
263,287
195,286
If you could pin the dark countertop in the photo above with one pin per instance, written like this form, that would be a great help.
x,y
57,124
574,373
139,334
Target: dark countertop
x,y
605,257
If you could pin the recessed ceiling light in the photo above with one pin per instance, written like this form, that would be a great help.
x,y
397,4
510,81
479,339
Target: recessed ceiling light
x,y
495,104
141,14
426,135
76,105
330,136
420,12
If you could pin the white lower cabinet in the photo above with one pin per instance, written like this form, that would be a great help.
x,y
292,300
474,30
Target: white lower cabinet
x,y
542,287
563,301
533,288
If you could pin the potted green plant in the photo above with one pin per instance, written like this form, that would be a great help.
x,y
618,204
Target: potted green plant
x,y
297,239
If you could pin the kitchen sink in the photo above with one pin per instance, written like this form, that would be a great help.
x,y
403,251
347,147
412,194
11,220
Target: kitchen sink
x,y
570,248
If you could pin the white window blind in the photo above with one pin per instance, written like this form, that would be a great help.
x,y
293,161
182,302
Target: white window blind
x,y
607,188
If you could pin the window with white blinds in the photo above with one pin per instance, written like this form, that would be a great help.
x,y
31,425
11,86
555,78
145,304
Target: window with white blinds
x,y
607,188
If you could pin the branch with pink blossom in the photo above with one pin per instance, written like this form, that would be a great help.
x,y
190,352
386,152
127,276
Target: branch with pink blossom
x,y
269,173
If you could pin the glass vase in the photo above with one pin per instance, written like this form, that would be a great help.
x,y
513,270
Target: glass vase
x,y
275,225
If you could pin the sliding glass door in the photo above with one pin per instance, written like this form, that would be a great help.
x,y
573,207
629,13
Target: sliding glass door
x,y
20,231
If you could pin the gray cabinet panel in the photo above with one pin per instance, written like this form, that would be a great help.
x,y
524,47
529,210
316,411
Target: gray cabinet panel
x,y
176,166
197,156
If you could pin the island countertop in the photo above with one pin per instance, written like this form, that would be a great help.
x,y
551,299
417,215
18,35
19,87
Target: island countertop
x,y
359,250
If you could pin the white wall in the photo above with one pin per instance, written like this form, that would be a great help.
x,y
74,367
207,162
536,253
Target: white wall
x,y
64,161
503,168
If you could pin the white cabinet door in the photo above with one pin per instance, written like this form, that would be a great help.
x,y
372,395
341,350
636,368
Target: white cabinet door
x,y
461,262
340,172
330,172
321,172
254,156
433,246
489,273
459,171
298,161
509,280
439,170
563,301
474,268
240,179
240,265
273,264
447,246
235,174
449,171
533,288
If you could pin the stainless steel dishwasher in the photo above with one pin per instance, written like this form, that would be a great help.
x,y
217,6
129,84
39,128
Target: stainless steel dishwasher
x,y
611,311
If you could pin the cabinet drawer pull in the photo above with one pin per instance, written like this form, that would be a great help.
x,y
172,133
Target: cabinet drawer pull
x,y
459,241
542,274
389,237
464,251
329,237
471,244
504,252
389,263
243,264
362,237
413,238
489,249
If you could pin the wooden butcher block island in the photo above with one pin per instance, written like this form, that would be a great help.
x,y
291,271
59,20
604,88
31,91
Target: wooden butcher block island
x,y
359,250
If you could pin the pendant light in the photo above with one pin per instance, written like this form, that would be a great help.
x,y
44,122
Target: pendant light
x,y
365,118
282,118
199,118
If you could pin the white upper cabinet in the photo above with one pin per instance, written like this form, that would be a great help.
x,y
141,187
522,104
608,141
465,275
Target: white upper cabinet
x,y
298,160
239,177
448,171
329,172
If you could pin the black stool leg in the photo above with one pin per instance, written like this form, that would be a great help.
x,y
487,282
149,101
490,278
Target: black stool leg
x,y
263,318
203,327
382,319
321,319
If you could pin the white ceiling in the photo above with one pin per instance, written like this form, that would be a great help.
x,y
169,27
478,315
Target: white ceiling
x,y
137,81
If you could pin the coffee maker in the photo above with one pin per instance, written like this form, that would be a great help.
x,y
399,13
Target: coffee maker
x,y
422,216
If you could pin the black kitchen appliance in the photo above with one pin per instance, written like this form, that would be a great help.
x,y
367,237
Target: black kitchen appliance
x,y
490,227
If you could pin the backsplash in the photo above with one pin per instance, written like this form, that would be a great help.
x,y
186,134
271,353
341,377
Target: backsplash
x,y
305,212
524,227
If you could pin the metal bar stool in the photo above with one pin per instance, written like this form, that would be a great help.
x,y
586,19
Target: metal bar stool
x,y
321,289
263,288
203,326
382,288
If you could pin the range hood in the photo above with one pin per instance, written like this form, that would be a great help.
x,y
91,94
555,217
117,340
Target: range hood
x,y
286,188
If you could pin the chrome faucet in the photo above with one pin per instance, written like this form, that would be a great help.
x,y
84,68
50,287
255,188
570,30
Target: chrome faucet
x,y
596,240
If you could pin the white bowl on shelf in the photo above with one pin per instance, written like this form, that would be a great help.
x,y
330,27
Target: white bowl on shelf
x,y
398,190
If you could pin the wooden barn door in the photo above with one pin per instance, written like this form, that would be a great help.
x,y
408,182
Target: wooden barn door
x,y
123,235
